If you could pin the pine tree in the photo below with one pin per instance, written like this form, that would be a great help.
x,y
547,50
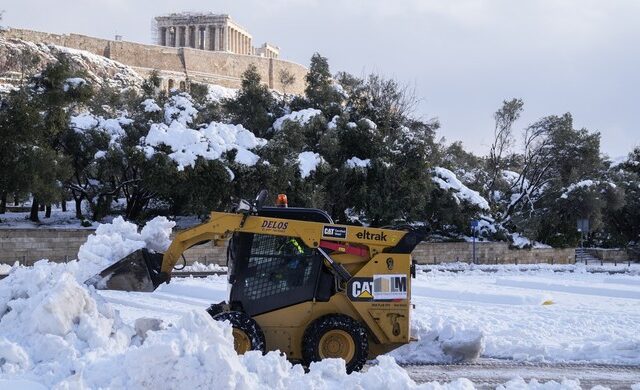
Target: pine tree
x,y
254,107
320,91
18,123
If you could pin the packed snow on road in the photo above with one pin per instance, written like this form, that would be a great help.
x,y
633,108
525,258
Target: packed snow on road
x,y
57,333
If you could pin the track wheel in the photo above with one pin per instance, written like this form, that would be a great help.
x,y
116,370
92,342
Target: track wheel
x,y
247,335
336,336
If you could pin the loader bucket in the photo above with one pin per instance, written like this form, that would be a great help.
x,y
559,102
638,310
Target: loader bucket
x,y
138,271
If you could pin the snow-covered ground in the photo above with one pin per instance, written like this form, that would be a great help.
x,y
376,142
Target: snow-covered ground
x,y
533,316
56,332
59,219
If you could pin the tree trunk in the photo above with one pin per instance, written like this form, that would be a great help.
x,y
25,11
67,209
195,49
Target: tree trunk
x,y
78,201
3,203
33,216
47,213
15,201
42,207
63,204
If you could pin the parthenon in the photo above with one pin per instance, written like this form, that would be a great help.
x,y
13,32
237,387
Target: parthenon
x,y
208,31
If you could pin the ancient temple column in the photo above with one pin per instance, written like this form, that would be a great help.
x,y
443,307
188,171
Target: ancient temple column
x,y
234,47
202,32
162,36
223,37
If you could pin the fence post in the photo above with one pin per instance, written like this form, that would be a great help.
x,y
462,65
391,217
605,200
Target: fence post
x,y
434,260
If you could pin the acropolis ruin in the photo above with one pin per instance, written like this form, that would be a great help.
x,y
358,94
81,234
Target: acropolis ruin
x,y
208,31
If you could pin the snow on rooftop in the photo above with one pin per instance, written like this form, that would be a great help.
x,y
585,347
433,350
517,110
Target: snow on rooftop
x,y
447,180
301,117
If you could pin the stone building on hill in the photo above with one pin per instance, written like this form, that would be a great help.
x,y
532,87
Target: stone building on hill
x,y
208,31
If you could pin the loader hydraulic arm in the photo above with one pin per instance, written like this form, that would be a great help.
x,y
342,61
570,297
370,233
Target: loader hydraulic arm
x,y
222,225
218,229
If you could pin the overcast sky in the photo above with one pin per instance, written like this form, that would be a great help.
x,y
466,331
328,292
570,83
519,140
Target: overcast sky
x,y
463,56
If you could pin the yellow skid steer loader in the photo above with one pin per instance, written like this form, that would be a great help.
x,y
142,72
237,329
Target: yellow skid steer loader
x,y
300,283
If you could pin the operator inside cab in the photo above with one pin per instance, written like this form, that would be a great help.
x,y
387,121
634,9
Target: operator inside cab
x,y
290,249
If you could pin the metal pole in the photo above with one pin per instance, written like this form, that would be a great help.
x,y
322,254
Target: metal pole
x,y
474,245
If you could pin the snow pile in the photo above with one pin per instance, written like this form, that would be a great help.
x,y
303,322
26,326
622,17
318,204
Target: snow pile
x,y
447,180
113,241
198,352
355,162
308,162
51,326
440,341
534,384
6,268
210,143
216,93
301,117
58,333
150,105
521,241
199,267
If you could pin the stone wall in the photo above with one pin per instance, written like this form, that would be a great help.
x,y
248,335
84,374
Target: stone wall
x,y
611,255
29,245
489,253
177,64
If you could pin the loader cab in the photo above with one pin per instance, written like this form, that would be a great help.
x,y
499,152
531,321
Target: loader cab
x,y
269,272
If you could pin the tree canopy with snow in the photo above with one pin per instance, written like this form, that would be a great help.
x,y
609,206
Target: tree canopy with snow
x,y
351,145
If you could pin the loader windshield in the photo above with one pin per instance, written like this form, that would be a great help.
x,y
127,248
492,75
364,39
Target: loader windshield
x,y
270,272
